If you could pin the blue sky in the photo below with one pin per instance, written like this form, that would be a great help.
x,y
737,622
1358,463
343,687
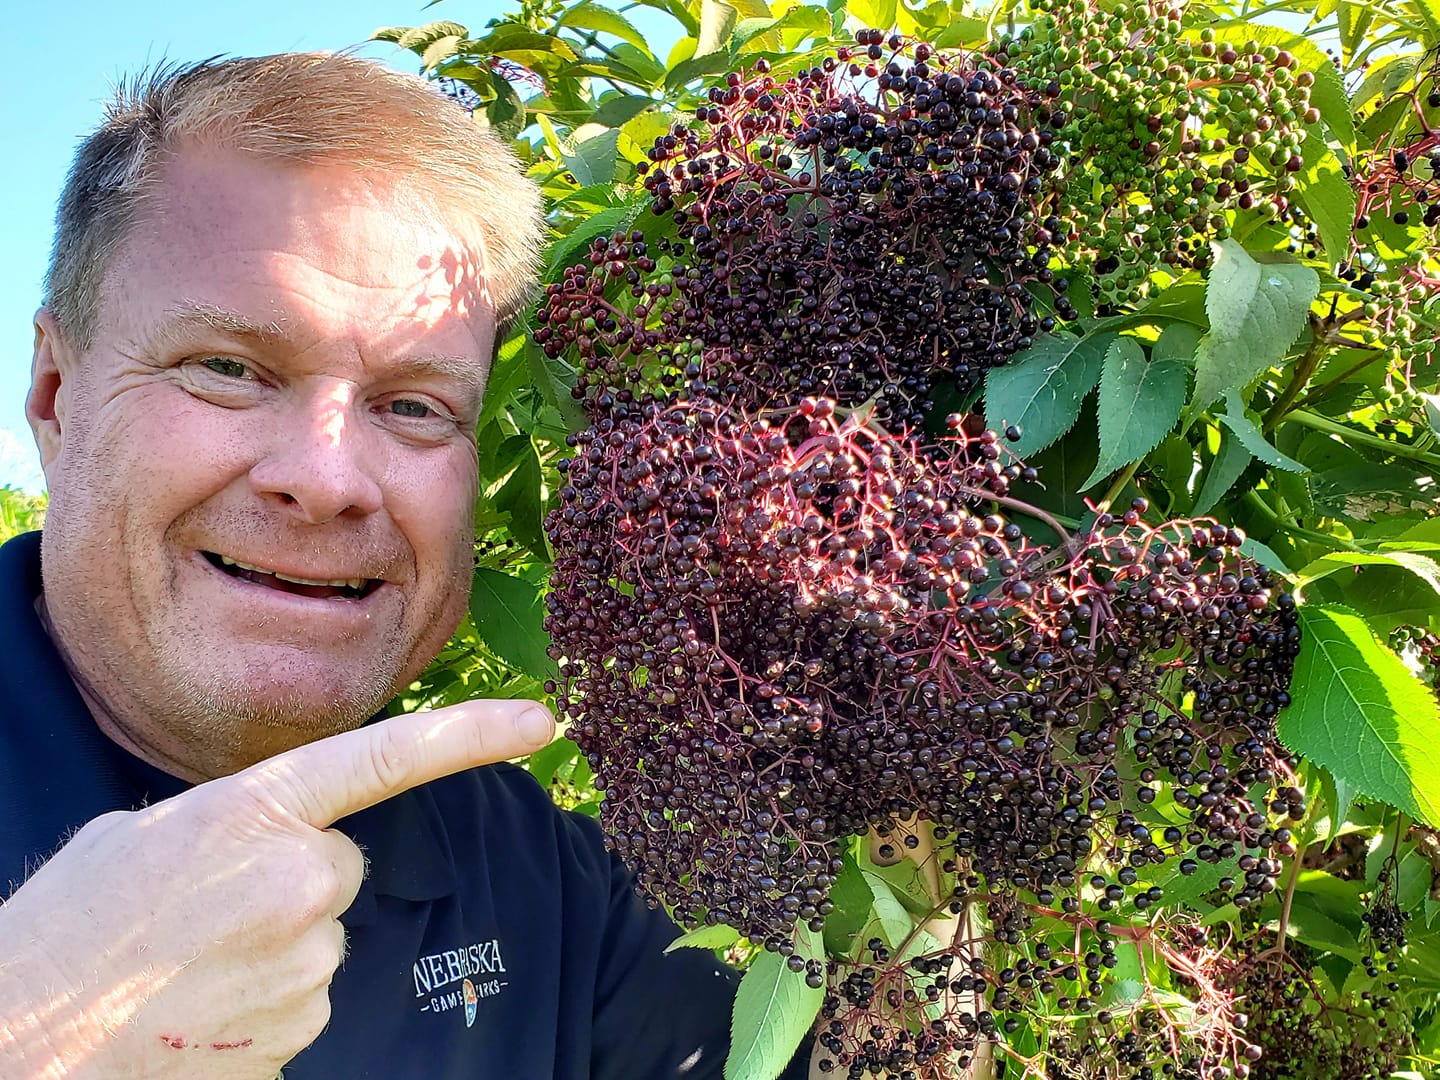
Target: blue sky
x,y
65,56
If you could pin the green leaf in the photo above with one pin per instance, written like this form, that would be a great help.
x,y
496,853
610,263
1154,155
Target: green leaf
x,y
961,30
1264,555
1184,300
1187,889
589,153
440,50
644,129
615,110
1042,387
1330,96
1331,800
584,203
589,16
1388,598
555,379
418,38
1327,198
571,249
507,374
1425,533
1422,566
1320,929
906,883
1230,461
520,498
509,38
810,19
878,14
1430,12
773,1010
1126,984
1250,436
1386,76
852,898
677,10
1432,412
1140,401
1354,20
1257,310
717,23
509,616
719,936
697,66
898,923
545,762
623,64
506,113
1359,712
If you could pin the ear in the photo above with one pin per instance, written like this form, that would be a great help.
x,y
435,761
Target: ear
x,y
52,380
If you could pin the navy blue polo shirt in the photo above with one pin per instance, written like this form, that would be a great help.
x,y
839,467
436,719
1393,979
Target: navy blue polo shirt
x,y
494,937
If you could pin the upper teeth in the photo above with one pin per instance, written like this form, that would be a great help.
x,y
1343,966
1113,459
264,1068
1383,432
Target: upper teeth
x,y
347,583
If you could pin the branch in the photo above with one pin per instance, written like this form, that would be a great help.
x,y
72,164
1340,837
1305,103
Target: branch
x,y
1304,370
1363,438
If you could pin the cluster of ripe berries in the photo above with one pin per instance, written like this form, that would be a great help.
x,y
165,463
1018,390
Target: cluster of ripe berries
x,y
784,616
835,235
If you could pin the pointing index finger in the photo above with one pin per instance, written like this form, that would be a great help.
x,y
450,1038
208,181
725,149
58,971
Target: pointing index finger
x,y
337,776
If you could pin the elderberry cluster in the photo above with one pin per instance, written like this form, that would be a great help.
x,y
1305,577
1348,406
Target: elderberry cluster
x,y
1295,1032
784,616
1400,177
1143,189
1397,203
857,230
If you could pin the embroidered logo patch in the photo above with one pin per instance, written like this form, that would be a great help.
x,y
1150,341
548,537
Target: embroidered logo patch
x,y
459,977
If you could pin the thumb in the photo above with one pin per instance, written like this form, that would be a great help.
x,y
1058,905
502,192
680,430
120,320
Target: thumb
x,y
323,781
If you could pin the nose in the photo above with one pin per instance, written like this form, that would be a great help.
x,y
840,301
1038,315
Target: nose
x,y
318,463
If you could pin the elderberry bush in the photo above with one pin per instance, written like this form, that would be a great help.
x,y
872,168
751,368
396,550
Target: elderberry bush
x,y
786,616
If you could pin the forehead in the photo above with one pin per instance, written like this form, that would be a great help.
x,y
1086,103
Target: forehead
x,y
324,251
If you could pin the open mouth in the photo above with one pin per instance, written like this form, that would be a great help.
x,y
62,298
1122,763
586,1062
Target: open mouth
x,y
339,589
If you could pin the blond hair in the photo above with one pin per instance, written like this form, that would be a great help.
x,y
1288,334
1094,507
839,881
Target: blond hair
x,y
308,108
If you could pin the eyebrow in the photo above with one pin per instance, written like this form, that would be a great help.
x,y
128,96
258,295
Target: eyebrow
x,y
194,315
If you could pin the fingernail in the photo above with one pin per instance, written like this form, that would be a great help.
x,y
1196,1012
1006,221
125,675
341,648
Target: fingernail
x,y
535,726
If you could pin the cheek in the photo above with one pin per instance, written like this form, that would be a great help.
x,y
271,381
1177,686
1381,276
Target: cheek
x,y
164,447
432,497
116,464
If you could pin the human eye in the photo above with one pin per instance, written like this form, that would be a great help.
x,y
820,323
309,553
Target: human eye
x,y
418,417
226,366
412,409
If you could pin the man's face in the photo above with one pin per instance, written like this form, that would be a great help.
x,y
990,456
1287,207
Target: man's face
x,y
283,388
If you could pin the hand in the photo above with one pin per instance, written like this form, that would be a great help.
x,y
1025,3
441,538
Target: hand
x,y
198,937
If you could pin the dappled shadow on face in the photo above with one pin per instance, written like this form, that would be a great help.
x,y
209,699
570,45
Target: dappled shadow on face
x,y
460,276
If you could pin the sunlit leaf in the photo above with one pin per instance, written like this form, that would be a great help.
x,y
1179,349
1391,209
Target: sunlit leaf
x,y
1257,310
1362,714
